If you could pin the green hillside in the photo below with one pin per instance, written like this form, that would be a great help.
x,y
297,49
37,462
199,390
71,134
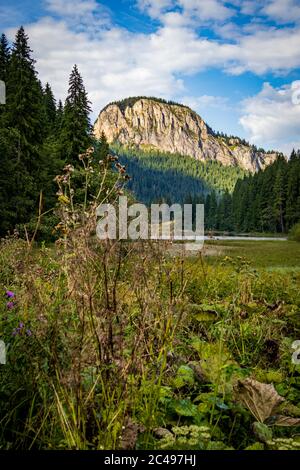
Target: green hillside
x,y
157,176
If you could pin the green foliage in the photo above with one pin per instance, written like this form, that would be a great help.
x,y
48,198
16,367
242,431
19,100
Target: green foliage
x,y
294,233
50,108
75,131
158,176
4,58
268,201
184,377
167,380
189,438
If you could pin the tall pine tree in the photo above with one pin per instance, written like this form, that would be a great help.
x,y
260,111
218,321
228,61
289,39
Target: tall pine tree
x,y
21,135
76,126
50,109
4,57
24,110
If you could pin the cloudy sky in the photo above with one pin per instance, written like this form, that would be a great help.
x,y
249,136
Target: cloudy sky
x,y
237,63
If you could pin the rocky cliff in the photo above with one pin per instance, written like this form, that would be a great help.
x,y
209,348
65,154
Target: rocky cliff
x,y
170,127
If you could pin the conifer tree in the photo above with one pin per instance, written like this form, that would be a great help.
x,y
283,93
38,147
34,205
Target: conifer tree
x,y
24,109
50,109
4,57
280,195
22,168
103,148
59,117
4,61
293,189
76,127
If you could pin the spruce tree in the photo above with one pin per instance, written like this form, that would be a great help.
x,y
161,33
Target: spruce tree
x,y
24,109
4,61
103,148
76,127
59,117
280,195
4,57
50,109
23,123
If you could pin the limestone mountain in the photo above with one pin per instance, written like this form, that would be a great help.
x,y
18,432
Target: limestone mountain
x,y
170,127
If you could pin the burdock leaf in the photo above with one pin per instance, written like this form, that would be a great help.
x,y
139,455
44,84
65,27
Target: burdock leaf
x,y
281,420
260,399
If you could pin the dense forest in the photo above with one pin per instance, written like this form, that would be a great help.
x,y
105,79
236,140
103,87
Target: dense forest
x,y
162,176
38,136
235,201
268,201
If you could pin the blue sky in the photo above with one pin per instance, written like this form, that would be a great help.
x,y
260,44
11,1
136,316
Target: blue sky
x,y
237,63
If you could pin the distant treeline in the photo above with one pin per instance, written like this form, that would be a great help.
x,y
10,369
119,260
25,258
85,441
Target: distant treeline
x,y
130,102
268,201
227,138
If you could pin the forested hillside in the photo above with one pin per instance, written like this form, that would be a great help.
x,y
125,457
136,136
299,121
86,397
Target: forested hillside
x,y
160,176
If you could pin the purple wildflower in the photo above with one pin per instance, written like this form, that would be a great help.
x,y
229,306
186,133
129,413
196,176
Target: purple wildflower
x,y
21,325
28,332
10,305
16,331
10,294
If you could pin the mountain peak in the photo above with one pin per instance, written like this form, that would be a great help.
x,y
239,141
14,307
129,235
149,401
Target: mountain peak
x,y
149,122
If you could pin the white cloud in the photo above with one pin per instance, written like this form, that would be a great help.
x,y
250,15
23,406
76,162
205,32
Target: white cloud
x,y
249,7
114,65
200,10
71,7
155,8
199,103
205,10
275,50
283,11
82,15
272,117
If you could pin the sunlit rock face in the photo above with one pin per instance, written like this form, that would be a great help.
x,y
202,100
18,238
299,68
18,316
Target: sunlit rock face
x,y
149,123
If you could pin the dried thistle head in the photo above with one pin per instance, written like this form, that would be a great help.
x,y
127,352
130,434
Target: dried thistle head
x,y
69,168
58,179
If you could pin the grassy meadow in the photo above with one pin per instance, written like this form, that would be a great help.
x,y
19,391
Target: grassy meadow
x,y
122,346
268,254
